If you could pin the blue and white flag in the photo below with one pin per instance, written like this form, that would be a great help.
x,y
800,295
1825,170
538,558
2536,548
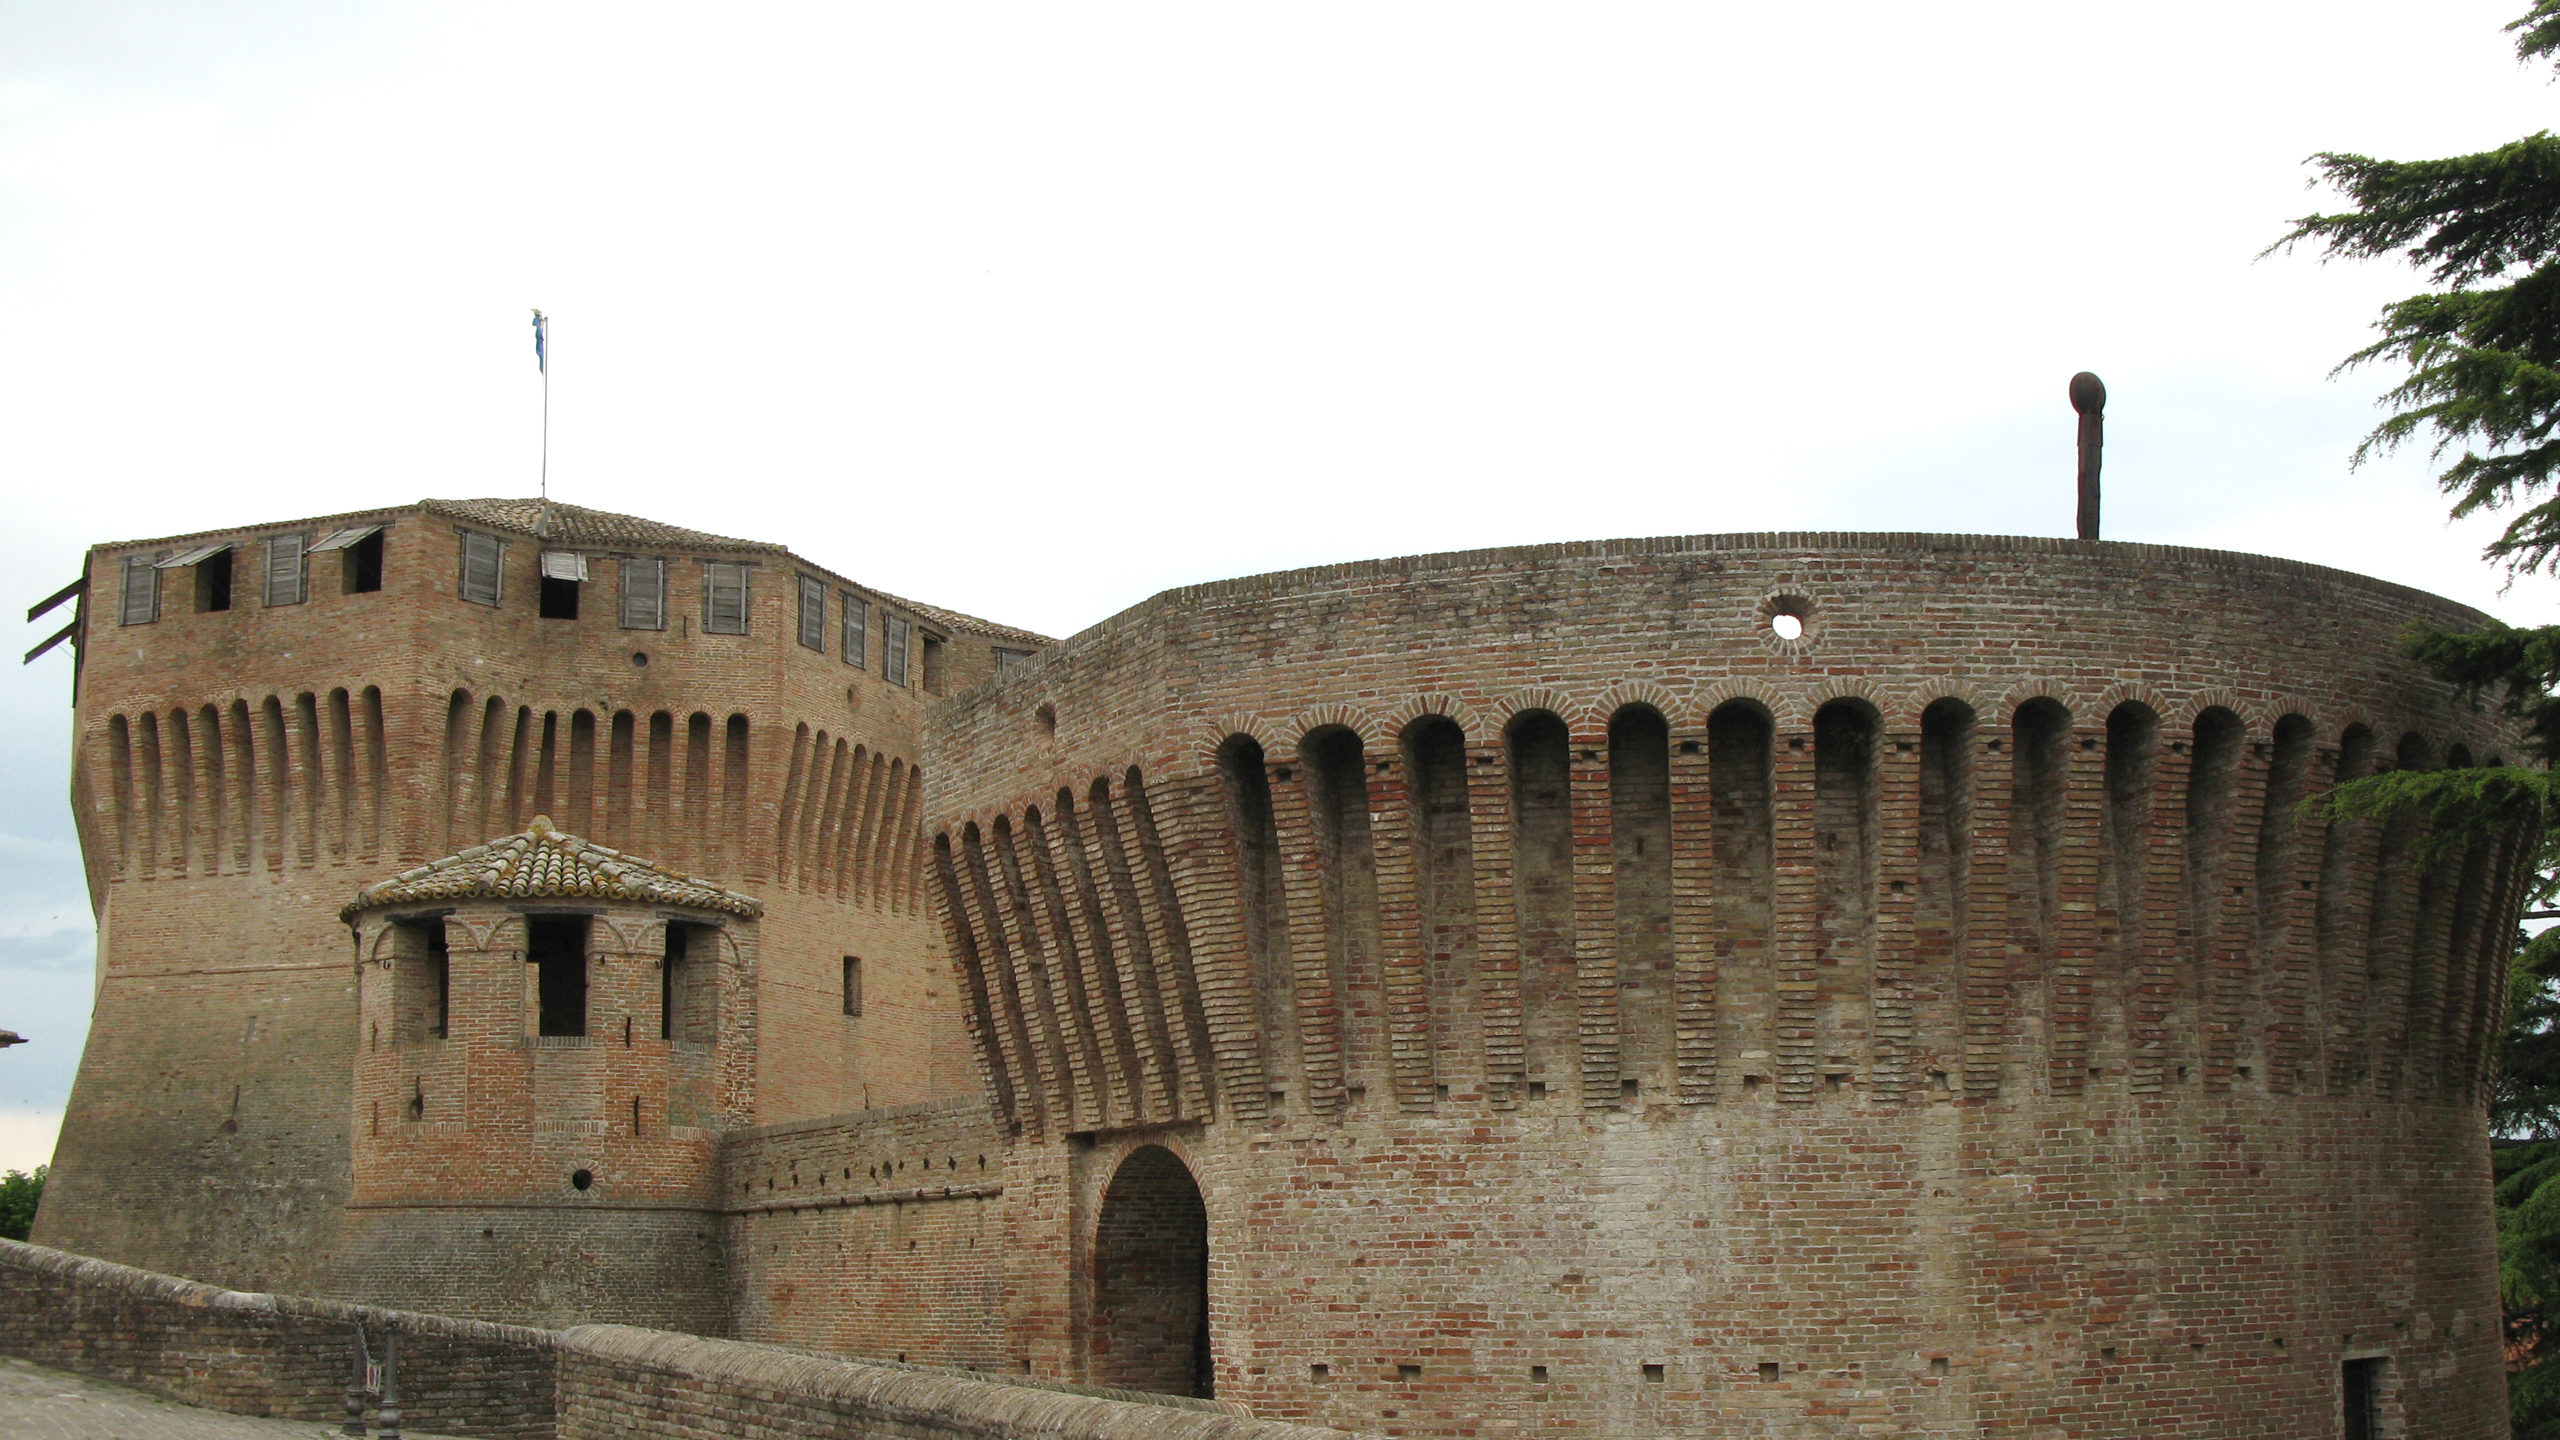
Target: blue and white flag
x,y
541,343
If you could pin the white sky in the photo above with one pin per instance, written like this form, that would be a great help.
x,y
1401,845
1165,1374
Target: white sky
x,y
1035,310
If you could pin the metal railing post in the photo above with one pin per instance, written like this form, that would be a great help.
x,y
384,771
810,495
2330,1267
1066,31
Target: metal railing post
x,y
390,1380
354,1423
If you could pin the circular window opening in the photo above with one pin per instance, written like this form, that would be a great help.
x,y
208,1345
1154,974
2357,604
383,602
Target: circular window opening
x,y
582,1179
1788,616
640,657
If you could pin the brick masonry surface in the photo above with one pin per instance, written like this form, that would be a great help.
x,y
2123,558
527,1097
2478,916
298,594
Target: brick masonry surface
x,y
1521,991
287,1357
241,772
272,1355
1582,1005
41,1404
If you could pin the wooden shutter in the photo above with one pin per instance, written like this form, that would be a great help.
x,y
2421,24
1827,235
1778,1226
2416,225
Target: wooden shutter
x,y
857,630
481,569
813,613
141,589
893,657
724,598
644,592
285,568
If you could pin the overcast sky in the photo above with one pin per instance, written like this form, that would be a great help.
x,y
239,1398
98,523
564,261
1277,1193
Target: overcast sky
x,y
1033,311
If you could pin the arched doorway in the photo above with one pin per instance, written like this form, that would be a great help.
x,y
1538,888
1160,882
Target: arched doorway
x,y
1151,1279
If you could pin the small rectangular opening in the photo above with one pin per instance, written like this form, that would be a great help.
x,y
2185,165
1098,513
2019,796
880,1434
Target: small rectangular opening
x,y
213,582
556,945
688,1000
853,984
559,599
422,983
933,664
672,960
2360,1394
360,565
439,983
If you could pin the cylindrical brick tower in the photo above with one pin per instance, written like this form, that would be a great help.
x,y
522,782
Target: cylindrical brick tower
x,y
1794,985
552,1036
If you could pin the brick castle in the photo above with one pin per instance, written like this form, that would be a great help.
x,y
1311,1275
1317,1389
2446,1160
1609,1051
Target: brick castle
x,y
1787,985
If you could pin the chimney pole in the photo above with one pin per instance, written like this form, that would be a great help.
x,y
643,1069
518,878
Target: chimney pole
x,y
2089,397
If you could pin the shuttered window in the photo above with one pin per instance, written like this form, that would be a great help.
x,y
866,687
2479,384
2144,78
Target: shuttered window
x,y
141,589
813,612
644,592
857,630
893,656
724,598
481,567
285,568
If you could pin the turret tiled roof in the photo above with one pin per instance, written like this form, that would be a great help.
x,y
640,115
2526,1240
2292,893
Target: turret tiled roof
x,y
540,862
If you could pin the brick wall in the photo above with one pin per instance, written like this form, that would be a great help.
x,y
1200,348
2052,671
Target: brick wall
x,y
240,773
617,1382
1992,1051
882,1235
276,1355
290,1357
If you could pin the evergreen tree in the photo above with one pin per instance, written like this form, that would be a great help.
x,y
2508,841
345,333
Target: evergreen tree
x,y
2482,358
19,1192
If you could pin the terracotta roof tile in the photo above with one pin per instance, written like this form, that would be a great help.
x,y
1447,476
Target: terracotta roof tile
x,y
572,525
543,863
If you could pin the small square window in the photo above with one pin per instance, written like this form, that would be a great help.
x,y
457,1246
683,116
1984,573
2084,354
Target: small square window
x,y
857,630
361,571
141,589
483,567
893,654
644,592
813,612
213,582
564,576
557,949
286,568
724,598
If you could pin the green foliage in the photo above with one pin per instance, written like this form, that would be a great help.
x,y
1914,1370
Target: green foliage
x,y
19,1192
2520,667
2526,1104
2526,1101
2458,806
2529,1281
2483,352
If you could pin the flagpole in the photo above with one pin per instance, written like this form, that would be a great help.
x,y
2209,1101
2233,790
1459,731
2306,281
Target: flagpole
x,y
542,357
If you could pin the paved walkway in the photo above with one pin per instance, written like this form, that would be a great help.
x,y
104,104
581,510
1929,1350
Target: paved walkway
x,y
41,1404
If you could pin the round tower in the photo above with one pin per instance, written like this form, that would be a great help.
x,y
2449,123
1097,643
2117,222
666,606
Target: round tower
x,y
1799,984
551,1037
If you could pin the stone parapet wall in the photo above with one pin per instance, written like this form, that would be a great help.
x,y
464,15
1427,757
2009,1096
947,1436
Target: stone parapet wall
x,y
618,1382
279,1355
288,1357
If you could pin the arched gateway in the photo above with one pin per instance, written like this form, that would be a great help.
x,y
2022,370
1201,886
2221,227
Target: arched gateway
x,y
1151,1278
